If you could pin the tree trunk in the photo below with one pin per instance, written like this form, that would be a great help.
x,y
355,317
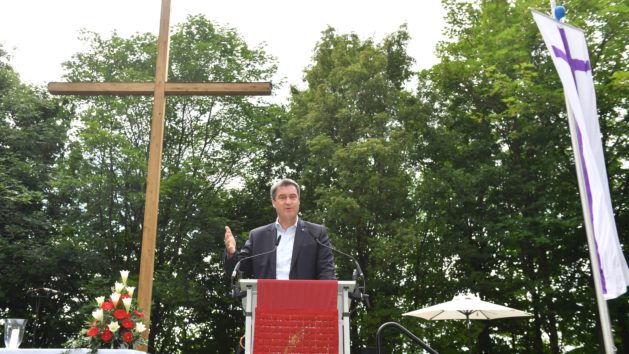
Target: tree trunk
x,y
483,342
537,340
552,333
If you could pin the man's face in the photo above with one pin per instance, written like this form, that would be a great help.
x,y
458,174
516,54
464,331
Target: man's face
x,y
286,202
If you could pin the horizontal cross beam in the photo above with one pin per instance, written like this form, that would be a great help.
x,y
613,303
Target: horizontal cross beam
x,y
170,88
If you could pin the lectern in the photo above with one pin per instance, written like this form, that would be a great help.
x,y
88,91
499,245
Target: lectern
x,y
250,303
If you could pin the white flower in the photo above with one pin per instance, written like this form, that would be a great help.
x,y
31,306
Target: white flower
x,y
124,274
130,290
118,287
113,326
127,303
140,327
98,314
114,298
100,300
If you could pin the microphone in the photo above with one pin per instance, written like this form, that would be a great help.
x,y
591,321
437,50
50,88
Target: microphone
x,y
237,267
358,293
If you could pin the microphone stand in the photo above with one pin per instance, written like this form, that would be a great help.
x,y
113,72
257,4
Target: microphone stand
x,y
359,291
236,291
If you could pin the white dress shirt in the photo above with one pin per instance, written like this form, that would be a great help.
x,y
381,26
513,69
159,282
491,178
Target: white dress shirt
x,y
284,253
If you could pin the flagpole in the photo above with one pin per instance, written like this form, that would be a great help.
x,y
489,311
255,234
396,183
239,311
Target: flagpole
x,y
606,327
552,8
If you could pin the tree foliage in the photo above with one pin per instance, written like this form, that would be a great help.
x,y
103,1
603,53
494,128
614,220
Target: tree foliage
x,y
342,142
464,182
497,184
209,143
31,262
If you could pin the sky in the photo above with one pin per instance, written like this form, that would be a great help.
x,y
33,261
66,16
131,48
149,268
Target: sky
x,y
41,34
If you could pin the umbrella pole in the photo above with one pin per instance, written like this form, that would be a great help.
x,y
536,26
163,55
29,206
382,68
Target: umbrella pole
x,y
469,334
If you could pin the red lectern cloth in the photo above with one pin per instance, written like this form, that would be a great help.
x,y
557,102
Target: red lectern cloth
x,y
296,316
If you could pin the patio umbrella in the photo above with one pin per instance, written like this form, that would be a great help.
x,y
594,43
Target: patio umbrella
x,y
466,307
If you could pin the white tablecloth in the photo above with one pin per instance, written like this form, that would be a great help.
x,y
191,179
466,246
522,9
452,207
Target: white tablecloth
x,y
72,351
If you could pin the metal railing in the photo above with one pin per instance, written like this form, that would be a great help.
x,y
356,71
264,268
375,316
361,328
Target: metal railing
x,y
406,332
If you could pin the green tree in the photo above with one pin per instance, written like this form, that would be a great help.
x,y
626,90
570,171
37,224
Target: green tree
x,y
210,144
497,184
341,142
33,136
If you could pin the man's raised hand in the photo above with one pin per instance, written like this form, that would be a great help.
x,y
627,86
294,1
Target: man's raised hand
x,y
230,242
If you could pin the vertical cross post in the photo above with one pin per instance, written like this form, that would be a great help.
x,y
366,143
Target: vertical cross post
x,y
151,203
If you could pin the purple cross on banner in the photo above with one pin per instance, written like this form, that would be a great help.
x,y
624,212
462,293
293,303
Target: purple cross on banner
x,y
575,64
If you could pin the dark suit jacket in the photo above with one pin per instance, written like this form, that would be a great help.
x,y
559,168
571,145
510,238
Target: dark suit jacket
x,y
309,261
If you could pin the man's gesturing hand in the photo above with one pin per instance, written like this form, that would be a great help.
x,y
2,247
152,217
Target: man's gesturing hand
x,y
230,242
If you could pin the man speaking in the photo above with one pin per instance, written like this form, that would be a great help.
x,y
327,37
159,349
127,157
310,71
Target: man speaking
x,y
289,248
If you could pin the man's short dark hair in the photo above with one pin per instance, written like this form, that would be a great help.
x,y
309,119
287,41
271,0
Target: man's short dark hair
x,y
282,183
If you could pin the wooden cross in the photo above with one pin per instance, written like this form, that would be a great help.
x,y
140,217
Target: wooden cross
x,y
159,89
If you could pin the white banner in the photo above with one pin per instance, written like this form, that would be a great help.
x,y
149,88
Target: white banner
x,y
568,49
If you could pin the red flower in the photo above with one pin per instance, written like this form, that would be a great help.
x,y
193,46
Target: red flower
x,y
137,313
120,314
106,336
124,296
127,337
107,305
128,324
92,332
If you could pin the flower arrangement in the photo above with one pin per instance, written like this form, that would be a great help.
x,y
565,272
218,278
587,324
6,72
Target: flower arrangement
x,y
116,323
